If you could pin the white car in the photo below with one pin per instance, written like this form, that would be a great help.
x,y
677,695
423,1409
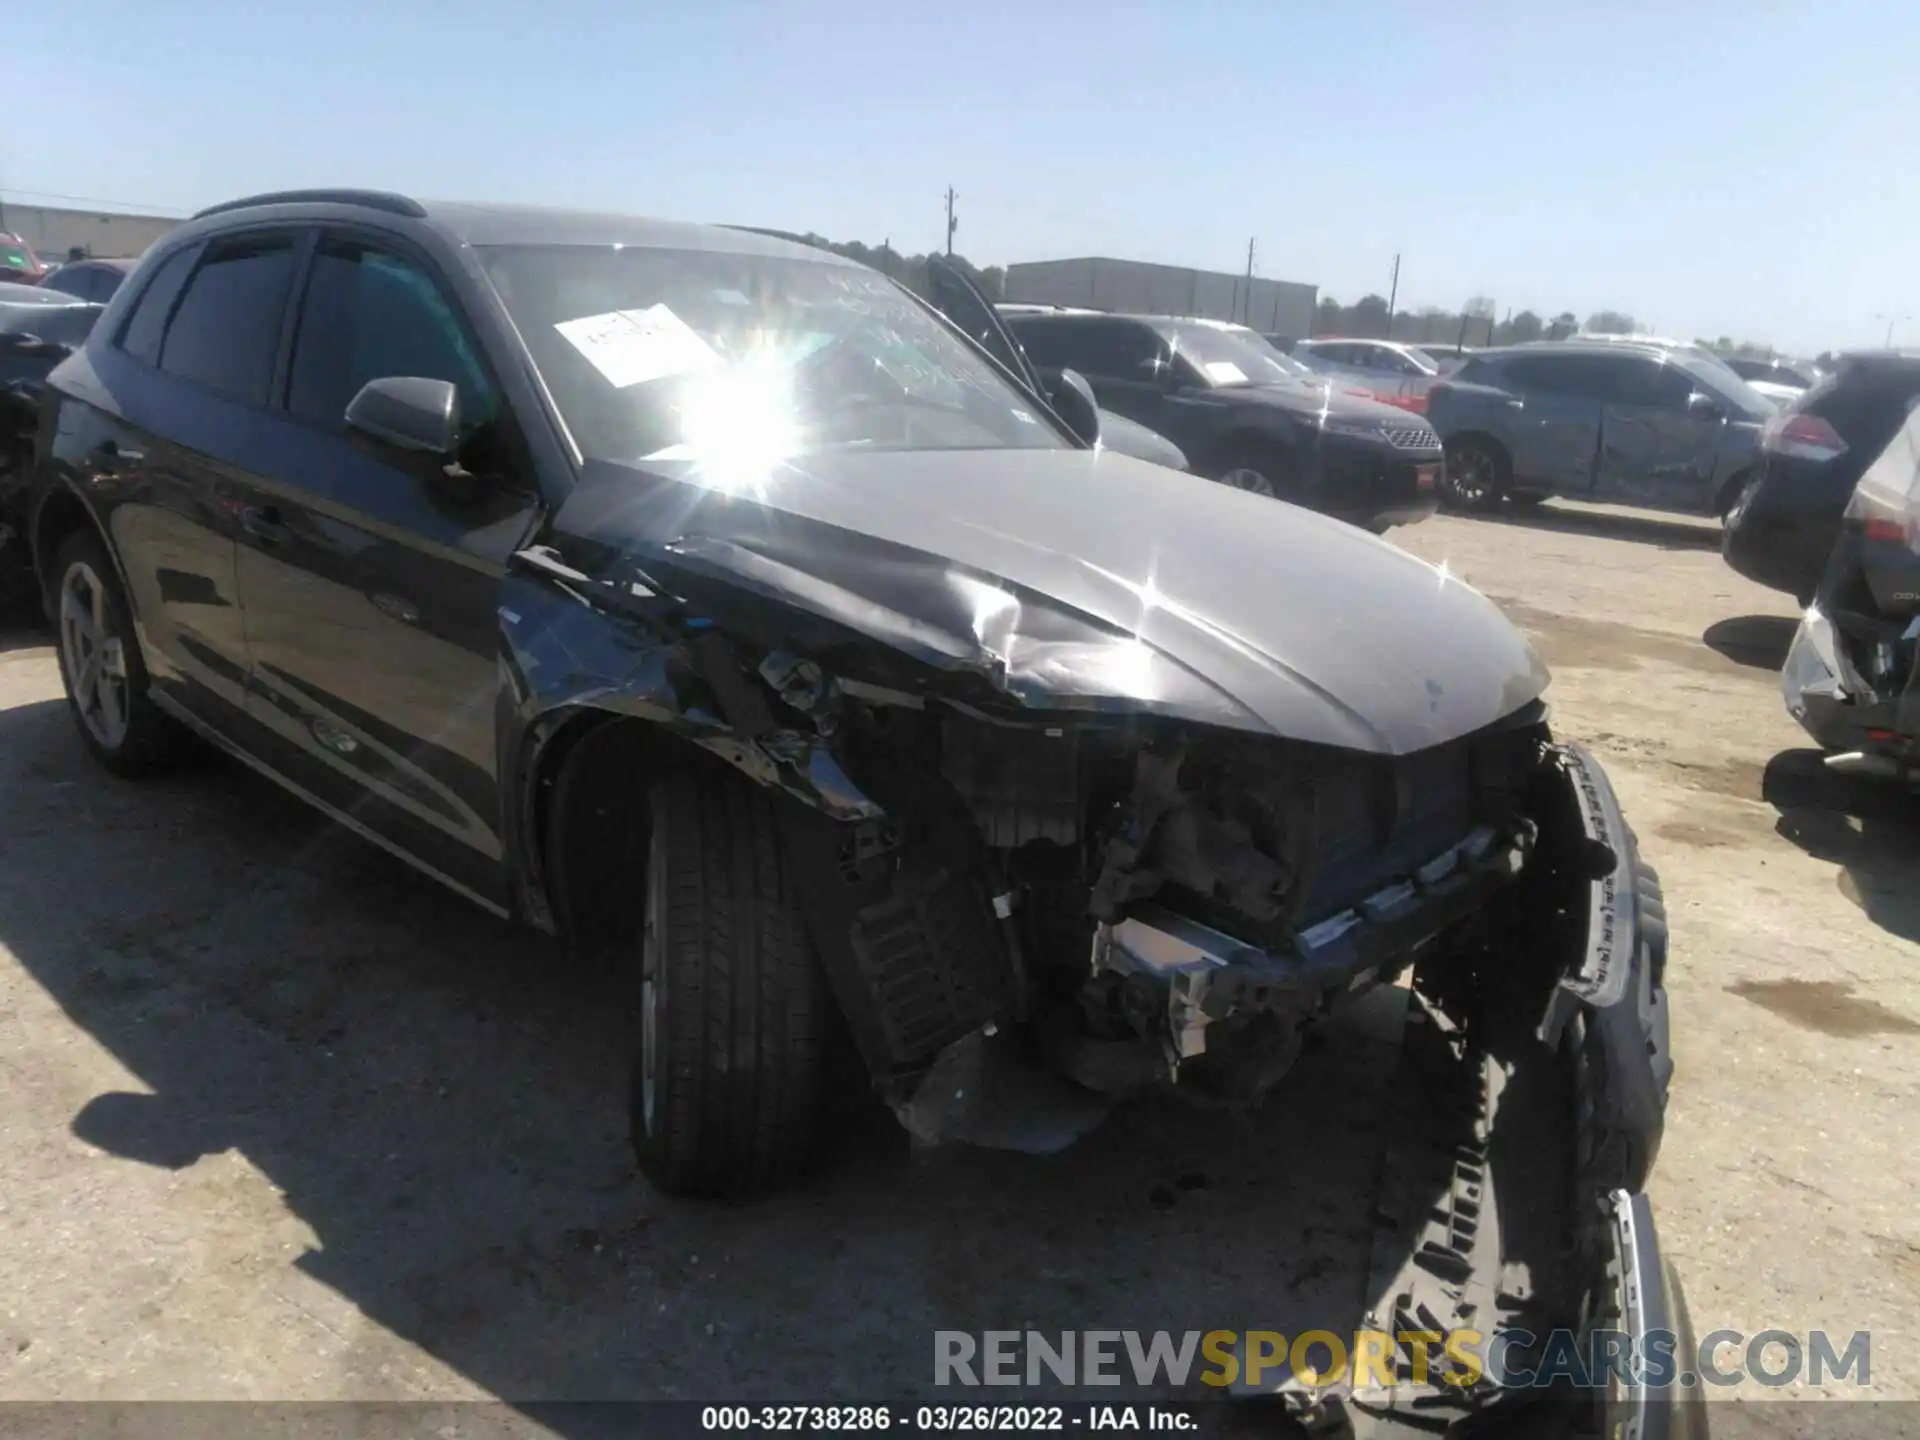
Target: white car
x,y
1780,380
1396,373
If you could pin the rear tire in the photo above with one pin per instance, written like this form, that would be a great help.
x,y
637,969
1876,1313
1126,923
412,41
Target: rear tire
x,y
101,665
733,1013
1478,475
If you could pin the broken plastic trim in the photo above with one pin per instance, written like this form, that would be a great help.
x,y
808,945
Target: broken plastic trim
x,y
1211,974
1615,988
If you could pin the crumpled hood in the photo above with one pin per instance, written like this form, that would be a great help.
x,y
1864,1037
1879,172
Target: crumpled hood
x,y
1087,579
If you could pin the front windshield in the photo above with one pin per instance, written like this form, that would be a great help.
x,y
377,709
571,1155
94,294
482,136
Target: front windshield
x,y
1226,358
710,356
1274,355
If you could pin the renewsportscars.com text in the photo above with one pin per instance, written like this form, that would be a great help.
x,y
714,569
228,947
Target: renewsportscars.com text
x,y
1371,1359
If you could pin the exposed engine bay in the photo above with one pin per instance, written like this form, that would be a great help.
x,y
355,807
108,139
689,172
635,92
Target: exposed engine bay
x,y
1124,901
1165,903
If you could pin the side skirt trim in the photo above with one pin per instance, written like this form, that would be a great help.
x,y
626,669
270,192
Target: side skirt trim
x,y
213,737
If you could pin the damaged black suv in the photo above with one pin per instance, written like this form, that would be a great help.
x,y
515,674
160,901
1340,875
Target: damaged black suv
x,y
715,600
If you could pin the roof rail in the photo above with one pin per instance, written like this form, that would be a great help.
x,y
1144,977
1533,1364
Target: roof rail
x,y
368,199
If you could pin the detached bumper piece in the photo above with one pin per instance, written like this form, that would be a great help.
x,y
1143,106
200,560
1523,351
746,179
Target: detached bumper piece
x,y
1510,1199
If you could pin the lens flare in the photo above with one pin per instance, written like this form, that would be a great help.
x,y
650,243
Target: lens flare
x,y
737,425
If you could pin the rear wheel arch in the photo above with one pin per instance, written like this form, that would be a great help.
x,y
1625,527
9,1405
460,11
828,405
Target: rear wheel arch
x,y
59,515
1730,492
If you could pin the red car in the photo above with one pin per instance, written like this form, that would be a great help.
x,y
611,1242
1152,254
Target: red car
x,y
18,262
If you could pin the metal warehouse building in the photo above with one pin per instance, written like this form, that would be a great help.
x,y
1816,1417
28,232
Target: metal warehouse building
x,y
1274,307
52,230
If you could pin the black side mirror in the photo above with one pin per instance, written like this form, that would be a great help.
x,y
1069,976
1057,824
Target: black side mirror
x,y
1072,400
409,413
1702,406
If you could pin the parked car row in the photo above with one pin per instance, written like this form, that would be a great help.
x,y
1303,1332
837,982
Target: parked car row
x,y
40,325
1245,414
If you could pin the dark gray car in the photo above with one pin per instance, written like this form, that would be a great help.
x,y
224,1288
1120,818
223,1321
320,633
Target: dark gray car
x,y
712,601
1630,424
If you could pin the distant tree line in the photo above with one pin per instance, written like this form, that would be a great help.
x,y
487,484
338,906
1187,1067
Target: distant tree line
x,y
909,270
1474,324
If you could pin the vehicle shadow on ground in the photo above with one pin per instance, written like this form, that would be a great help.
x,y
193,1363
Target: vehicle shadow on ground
x,y
1665,532
1870,829
439,1097
20,631
1759,641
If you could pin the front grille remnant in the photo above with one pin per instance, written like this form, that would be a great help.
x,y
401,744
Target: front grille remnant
x,y
1411,437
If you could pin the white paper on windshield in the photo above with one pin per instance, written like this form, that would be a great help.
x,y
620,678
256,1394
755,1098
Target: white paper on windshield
x,y
1225,372
630,347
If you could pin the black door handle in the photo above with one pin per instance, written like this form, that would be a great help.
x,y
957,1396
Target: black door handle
x,y
264,524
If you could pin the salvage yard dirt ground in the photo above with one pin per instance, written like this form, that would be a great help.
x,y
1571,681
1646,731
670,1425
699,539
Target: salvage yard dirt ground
x,y
282,1120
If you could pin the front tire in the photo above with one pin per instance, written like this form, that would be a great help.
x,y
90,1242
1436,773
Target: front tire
x,y
732,1009
1477,475
101,665
1258,470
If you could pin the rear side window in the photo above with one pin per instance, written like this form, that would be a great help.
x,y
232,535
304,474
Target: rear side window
x,y
1588,376
369,313
226,329
1638,380
140,336
1669,386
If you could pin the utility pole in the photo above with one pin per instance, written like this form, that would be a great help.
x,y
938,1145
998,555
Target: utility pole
x,y
1393,295
952,224
886,257
1246,305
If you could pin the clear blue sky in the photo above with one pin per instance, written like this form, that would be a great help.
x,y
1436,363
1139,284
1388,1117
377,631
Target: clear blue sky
x,y
1742,169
